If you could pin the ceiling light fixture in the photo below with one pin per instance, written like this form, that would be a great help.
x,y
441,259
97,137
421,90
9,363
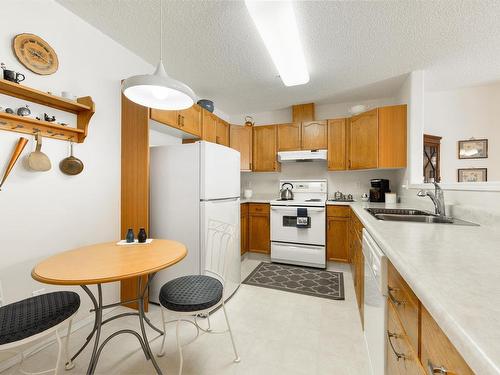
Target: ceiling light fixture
x,y
276,24
158,90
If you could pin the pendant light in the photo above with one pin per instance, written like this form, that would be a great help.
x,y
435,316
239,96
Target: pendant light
x,y
158,90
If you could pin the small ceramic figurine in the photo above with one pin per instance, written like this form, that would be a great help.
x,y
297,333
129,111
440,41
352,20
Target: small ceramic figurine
x,y
142,236
9,110
23,111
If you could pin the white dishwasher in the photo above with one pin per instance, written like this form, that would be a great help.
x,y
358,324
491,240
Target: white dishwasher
x,y
375,303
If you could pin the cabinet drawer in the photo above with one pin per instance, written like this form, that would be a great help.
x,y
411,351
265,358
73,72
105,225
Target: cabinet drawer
x,y
401,358
405,303
258,208
338,211
244,209
437,352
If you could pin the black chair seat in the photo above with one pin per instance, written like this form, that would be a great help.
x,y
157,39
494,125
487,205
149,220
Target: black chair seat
x,y
191,293
34,315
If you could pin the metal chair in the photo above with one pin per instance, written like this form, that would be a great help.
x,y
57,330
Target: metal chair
x,y
197,295
26,321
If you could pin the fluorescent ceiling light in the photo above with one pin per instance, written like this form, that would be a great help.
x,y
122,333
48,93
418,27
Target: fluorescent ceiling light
x,y
276,24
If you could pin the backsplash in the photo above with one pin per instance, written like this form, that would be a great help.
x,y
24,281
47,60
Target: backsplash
x,y
265,184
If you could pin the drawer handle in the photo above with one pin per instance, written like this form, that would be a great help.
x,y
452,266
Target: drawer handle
x,y
399,356
392,298
436,369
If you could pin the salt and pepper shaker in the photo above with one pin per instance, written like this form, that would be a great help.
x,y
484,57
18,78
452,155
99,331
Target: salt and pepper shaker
x,y
130,236
142,236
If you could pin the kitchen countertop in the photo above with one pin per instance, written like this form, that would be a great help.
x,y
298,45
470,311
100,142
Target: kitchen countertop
x,y
455,272
257,199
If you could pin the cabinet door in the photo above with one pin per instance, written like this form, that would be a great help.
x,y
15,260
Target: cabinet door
x,y
190,120
265,148
209,122
437,351
244,228
303,112
170,118
337,145
314,135
337,239
363,141
401,359
222,132
259,233
289,137
392,136
240,139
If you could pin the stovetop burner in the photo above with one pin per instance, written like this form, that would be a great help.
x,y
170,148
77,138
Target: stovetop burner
x,y
313,200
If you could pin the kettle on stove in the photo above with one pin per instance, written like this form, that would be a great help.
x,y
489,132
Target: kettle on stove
x,y
286,193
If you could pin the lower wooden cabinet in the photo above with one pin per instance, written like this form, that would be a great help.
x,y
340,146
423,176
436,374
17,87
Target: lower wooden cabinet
x,y
401,358
244,228
337,232
259,228
438,354
357,261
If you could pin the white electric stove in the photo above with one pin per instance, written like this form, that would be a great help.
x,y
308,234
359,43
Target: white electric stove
x,y
298,225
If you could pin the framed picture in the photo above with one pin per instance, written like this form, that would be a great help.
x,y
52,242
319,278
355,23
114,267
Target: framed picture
x,y
473,175
473,149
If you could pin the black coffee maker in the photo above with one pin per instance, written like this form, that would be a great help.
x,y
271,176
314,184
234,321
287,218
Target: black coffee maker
x,y
378,189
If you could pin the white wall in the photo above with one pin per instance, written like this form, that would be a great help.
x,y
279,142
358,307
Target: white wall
x,y
45,213
462,114
349,182
322,112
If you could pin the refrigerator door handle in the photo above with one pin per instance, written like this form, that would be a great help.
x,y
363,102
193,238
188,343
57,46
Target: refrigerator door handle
x,y
221,199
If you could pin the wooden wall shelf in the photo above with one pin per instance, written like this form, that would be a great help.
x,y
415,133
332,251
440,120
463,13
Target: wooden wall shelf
x,y
83,107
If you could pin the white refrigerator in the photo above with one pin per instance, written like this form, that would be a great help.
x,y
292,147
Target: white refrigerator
x,y
191,184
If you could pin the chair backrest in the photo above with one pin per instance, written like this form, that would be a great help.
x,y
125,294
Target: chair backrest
x,y
220,237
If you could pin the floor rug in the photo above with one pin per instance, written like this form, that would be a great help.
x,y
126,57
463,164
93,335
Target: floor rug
x,y
303,280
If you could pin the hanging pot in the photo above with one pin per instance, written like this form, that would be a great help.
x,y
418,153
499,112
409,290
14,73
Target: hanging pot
x,y
71,165
37,160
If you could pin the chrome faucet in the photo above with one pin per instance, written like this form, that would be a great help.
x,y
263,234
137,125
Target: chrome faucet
x,y
437,198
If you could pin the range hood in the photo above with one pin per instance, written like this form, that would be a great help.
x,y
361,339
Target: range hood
x,y
310,155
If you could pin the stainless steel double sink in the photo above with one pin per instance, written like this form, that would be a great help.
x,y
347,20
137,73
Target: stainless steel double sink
x,y
415,216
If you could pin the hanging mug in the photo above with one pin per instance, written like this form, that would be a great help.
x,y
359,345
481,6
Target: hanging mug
x,y
13,76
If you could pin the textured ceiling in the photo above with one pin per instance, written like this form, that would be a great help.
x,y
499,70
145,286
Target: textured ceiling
x,y
354,49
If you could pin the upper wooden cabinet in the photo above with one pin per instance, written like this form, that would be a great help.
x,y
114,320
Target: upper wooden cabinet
x,y
337,131
165,117
303,112
313,135
377,139
209,132
241,140
289,137
265,147
188,120
222,132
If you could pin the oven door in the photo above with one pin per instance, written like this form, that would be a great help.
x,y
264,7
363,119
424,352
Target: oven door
x,y
284,225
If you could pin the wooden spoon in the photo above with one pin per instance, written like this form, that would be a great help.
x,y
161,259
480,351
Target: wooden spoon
x,y
21,144
37,160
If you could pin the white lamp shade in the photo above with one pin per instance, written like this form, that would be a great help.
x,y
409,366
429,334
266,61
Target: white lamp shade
x,y
158,90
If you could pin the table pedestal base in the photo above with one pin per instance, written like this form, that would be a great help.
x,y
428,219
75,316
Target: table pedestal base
x,y
99,322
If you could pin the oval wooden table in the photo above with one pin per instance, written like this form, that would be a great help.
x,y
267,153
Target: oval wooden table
x,y
105,263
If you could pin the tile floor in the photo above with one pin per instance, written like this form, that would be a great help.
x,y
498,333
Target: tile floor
x,y
276,333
